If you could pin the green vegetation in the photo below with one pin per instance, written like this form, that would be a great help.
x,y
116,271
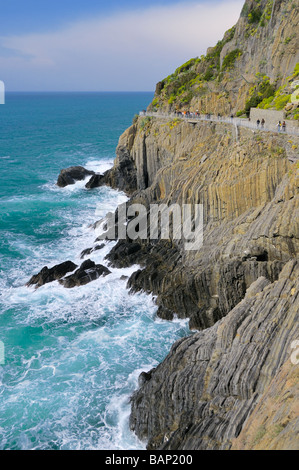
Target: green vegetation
x,y
259,435
255,15
191,78
181,75
261,92
173,123
135,118
230,59
245,10
146,120
296,71
281,101
281,97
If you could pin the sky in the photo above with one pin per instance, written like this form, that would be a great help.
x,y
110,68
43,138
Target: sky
x,y
95,45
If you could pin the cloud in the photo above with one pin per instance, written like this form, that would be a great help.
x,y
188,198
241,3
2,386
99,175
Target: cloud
x,y
131,51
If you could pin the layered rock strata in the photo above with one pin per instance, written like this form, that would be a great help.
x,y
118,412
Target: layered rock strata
x,y
249,192
203,392
240,289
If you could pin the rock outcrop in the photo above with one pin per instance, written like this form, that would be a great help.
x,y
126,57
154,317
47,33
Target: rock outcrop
x,y
208,385
88,271
240,289
88,251
71,175
123,174
96,181
47,275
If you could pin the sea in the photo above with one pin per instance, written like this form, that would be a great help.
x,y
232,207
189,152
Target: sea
x,y
69,358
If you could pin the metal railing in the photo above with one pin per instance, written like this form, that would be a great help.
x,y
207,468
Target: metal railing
x,y
194,117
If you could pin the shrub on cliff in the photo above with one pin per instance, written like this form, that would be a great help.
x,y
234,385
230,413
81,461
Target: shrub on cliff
x,y
230,59
255,15
263,92
185,83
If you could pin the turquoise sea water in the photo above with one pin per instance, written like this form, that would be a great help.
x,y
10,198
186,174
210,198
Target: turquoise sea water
x,y
72,356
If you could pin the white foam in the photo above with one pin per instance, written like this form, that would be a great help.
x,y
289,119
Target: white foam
x,y
99,338
99,166
77,186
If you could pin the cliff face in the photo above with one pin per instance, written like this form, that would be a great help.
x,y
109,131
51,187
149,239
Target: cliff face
x,y
252,61
273,424
201,395
240,290
248,190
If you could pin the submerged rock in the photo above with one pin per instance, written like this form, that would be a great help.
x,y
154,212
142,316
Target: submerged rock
x,y
71,175
88,271
48,275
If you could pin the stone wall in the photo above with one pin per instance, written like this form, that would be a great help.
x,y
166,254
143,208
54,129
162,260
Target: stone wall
x,y
271,117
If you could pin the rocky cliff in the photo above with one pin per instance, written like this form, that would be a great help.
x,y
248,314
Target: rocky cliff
x,y
203,392
254,61
240,289
248,190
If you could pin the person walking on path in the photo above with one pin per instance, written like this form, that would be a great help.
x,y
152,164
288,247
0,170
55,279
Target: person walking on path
x,y
279,126
258,123
284,126
263,123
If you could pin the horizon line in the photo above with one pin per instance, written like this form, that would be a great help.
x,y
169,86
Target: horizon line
x,y
79,91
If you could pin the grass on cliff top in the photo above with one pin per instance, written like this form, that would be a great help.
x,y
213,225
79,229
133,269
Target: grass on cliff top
x,y
190,79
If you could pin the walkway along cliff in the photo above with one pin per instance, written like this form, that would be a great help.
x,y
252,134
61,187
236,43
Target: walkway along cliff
x,y
240,290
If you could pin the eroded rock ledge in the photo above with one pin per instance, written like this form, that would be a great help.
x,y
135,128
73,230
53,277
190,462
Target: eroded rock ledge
x,y
203,392
88,271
